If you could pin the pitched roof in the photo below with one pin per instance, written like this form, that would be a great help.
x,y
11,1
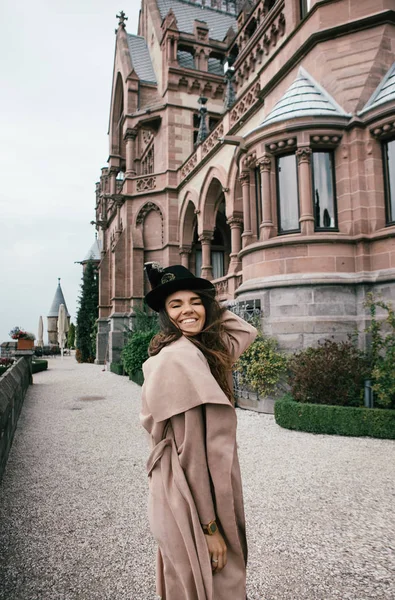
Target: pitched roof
x,y
385,91
304,98
141,59
56,302
94,252
186,13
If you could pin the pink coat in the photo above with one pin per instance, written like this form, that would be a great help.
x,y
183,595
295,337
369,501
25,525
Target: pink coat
x,y
194,469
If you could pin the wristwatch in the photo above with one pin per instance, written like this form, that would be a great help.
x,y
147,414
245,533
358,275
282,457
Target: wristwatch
x,y
210,528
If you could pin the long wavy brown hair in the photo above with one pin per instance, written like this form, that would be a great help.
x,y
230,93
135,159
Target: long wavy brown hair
x,y
209,340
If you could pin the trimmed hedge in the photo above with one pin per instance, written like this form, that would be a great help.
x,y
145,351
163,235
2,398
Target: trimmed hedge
x,y
39,365
117,368
338,420
137,377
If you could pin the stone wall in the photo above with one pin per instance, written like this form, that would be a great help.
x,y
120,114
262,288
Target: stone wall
x,y
301,315
13,387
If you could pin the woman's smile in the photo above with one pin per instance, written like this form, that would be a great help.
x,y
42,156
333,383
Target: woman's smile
x,y
186,310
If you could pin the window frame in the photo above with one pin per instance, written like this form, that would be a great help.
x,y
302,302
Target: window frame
x,y
288,231
387,186
332,155
304,8
258,200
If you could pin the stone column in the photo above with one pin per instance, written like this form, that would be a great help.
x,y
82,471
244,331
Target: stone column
x,y
207,268
245,188
266,226
184,254
130,139
235,225
113,176
306,219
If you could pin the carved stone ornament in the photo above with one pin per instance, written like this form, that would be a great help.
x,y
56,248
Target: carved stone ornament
x,y
244,177
265,163
383,130
245,103
148,183
145,210
281,145
304,154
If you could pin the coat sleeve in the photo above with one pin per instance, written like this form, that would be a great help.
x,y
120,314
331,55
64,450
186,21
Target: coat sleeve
x,y
238,334
190,436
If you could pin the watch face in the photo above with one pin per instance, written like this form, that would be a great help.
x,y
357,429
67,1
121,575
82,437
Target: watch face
x,y
213,528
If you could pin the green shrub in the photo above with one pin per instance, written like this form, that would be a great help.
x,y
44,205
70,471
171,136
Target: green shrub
x,y
332,373
39,365
135,353
137,377
262,366
117,368
339,420
382,352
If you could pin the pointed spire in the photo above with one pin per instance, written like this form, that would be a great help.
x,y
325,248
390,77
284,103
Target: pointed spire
x,y
203,129
57,301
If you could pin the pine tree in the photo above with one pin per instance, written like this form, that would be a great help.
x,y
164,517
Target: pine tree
x,y
87,313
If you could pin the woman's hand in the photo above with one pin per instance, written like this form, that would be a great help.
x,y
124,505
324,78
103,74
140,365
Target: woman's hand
x,y
217,551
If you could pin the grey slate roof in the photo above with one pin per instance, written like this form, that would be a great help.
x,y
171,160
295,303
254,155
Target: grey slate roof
x,y
186,13
385,91
94,252
141,59
185,59
56,302
305,97
215,66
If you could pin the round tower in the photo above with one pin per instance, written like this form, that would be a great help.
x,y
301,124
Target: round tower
x,y
52,318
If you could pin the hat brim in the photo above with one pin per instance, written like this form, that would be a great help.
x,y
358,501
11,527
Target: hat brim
x,y
156,298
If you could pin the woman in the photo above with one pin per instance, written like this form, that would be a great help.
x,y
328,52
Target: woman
x,y
195,502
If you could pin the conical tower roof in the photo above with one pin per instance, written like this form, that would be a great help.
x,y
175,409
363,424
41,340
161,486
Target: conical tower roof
x,y
385,92
57,301
304,98
94,252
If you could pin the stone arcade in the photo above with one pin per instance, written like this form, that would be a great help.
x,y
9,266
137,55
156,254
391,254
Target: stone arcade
x,y
276,180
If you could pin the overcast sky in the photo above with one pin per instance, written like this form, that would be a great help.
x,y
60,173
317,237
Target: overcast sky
x,y
56,61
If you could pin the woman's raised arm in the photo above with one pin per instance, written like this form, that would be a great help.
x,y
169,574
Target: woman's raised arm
x,y
238,334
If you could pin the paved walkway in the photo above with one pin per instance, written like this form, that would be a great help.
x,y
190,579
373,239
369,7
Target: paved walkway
x,y
73,524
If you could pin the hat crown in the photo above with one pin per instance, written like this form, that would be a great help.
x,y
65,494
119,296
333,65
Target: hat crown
x,y
165,281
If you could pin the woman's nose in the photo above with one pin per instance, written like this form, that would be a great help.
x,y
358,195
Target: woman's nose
x,y
187,309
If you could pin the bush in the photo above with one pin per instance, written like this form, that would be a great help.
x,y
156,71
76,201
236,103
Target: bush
x,y
332,373
137,377
39,365
339,420
117,368
382,353
135,353
262,366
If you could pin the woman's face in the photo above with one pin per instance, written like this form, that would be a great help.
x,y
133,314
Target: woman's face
x,y
186,310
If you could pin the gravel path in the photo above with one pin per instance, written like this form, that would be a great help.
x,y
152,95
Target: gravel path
x,y
320,509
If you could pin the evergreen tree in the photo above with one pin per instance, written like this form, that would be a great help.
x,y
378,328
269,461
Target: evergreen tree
x,y
87,313
71,336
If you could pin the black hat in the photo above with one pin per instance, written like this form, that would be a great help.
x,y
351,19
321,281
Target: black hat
x,y
166,281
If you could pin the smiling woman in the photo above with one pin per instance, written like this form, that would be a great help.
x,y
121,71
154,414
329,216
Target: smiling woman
x,y
186,311
195,501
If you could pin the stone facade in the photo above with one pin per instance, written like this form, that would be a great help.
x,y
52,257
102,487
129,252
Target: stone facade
x,y
279,187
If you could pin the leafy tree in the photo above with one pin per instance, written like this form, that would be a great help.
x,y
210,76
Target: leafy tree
x,y
87,313
71,336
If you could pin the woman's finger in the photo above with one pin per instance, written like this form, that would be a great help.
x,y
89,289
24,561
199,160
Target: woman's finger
x,y
214,562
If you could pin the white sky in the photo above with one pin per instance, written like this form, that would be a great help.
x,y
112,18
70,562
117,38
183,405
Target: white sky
x,y
56,60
